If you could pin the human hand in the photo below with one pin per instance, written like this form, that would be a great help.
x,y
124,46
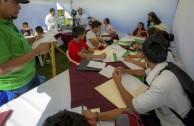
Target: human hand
x,y
25,33
103,55
116,76
128,58
121,69
91,121
43,48
88,114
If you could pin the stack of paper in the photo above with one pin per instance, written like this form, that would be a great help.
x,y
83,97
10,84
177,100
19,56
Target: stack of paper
x,y
107,71
95,64
48,37
110,91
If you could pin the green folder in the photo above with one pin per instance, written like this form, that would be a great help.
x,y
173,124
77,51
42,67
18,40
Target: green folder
x,y
126,53
139,41
124,43
115,57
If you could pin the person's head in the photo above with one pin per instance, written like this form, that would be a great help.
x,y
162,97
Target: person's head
x,y
152,31
9,9
80,10
52,11
153,18
167,36
90,23
25,25
106,21
39,30
79,32
96,26
140,26
155,49
66,118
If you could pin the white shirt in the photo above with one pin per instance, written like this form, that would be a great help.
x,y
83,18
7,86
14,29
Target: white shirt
x,y
109,29
82,19
165,91
90,34
51,22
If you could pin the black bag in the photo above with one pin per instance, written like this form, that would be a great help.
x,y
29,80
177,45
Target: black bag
x,y
188,86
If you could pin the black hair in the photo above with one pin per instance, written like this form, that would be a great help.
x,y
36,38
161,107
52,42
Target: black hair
x,y
152,31
52,9
25,23
78,31
156,20
66,118
39,29
96,24
167,36
142,25
107,20
155,48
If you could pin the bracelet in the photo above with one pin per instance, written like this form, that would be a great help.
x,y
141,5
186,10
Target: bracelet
x,y
96,116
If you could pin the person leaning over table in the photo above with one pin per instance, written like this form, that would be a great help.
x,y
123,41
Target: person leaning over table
x,y
78,48
17,59
165,90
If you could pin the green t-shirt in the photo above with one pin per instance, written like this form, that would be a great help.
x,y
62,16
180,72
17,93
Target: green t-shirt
x,y
13,44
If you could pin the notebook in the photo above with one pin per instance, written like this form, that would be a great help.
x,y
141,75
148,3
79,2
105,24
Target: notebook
x,y
83,66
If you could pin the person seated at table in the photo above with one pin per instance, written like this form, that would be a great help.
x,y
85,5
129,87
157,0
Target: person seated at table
x,y
93,37
27,31
164,92
68,118
153,20
39,31
144,72
89,26
78,48
108,28
140,30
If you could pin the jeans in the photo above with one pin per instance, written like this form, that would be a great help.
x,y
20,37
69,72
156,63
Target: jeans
x,y
6,96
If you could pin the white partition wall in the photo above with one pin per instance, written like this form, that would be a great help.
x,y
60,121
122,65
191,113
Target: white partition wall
x,y
125,14
183,28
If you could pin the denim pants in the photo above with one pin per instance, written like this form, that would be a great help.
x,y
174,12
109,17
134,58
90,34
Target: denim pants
x,y
6,96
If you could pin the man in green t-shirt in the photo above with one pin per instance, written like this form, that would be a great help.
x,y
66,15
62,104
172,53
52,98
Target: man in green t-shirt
x,y
17,63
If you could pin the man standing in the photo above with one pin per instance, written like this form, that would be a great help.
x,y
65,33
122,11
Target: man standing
x,y
51,20
17,63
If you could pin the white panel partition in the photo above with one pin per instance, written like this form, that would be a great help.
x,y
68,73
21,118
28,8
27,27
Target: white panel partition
x,y
183,28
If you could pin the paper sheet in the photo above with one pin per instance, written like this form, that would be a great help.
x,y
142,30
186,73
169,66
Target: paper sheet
x,y
95,64
107,71
131,65
127,38
48,37
131,84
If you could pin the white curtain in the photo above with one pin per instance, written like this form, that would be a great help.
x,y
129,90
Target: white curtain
x,y
183,29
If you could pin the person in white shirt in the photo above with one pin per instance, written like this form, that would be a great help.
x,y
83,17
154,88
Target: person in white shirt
x,y
93,37
82,18
165,90
108,27
51,20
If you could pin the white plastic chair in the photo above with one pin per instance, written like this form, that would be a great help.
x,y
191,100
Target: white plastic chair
x,y
67,53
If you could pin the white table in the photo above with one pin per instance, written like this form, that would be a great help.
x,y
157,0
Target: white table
x,y
33,107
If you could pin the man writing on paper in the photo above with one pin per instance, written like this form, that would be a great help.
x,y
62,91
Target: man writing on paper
x,y
165,90
17,63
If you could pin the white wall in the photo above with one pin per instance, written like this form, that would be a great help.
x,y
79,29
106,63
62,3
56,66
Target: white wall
x,y
125,14
183,28
34,13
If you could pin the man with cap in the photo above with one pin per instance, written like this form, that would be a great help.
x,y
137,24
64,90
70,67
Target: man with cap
x,y
83,18
17,59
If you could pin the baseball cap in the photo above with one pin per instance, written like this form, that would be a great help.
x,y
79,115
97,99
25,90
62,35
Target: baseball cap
x,y
24,1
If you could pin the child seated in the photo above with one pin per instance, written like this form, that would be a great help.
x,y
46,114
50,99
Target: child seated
x,y
140,30
27,31
78,48
39,31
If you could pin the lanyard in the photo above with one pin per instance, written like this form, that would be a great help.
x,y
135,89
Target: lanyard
x,y
16,30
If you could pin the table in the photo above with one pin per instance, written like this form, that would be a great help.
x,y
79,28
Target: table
x,y
33,107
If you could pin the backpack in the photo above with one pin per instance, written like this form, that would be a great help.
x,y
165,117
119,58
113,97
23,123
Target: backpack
x,y
188,86
129,118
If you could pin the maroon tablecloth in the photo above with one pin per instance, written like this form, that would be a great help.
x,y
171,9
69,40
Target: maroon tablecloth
x,y
66,37
82,85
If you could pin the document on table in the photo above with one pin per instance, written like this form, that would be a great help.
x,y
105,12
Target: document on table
x,y
110,55
134,86
95,64
48,37
131,65
127,39
107,71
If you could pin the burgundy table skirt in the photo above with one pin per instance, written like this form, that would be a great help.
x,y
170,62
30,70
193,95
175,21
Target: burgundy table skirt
x,y
66,37
82,84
